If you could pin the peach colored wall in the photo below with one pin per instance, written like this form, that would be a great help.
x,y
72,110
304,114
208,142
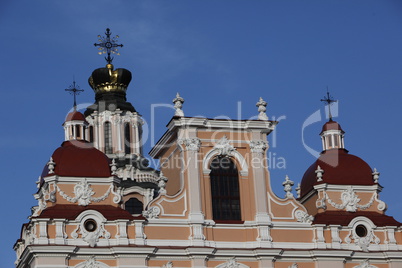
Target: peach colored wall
x,y
172,170
232,235
281,210
291,235
343,235
51,231
398,237
381,236
241,235
131,231
310,205
217,135
163,232
178,207
70,229
327,235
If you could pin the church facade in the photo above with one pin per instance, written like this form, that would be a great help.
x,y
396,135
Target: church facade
x,y
210,204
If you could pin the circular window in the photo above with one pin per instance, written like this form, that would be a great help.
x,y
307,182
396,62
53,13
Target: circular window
x,y
361,230
90,225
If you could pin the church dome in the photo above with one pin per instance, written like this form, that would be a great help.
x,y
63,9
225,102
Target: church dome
x,y
75,116
331,125
340,168
78,159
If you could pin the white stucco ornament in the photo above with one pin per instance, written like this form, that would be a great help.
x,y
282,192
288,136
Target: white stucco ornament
x,y
298,190
262,107
113,167
258,146
302,216
350,201
152,213
178,104
92,263
376,175
365,264
363,242
192,144
288,187
168,265
50,165
232,263
83,194
92,238
319,173
162,183
224,147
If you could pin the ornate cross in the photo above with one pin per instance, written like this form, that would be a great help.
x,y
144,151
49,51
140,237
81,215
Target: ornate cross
x,y
74,90
108,45
328,99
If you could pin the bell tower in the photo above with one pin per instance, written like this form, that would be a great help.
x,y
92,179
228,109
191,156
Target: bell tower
x,y
115,127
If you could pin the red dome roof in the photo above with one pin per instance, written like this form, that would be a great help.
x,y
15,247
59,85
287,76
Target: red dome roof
x,y
331,125
339,168
79,159
75,116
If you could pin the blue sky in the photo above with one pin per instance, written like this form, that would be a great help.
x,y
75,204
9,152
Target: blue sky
x,y
217,54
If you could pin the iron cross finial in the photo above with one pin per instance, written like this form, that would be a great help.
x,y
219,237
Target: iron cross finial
x,y
328,99
74,90
108,45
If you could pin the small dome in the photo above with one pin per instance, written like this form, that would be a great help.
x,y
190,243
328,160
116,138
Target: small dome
x,y
331,125
75,116
79,159
340,168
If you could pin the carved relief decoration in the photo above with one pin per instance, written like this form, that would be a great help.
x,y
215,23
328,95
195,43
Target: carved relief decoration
x,y
363,242
350,201
192,144
91,237
168,265
232,263
224,147
288,187
303,217
258,146
83,194
365,264
152,213
92,263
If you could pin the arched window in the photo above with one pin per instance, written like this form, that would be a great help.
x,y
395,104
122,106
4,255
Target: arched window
x,y
108,138
91,134
225,189
127,139
134,206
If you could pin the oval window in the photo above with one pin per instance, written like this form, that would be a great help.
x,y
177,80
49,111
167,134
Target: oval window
x,y
361,230
90,225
